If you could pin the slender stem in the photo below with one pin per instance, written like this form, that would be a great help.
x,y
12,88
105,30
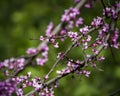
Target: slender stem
x,y
81,65
67,51
103,4
55,31
112,53
84,54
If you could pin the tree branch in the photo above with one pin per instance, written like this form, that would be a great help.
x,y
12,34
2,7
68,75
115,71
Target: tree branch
x,y
68,50
55,31
82,63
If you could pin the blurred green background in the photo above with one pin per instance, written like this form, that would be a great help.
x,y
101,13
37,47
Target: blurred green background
x,y
21,20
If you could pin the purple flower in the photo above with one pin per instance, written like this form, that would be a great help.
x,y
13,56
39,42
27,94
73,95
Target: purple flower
x,y
95,51
118,4
107,11
56,45
44,47
13,63
73,35
62,32
31,51
36,84
49,29
70,14
88,5
79,21
19,92
101,58
56,84
86,73
7,87
114,39
84,30
20,63
42,38
41,61
88,38
110,12
97,22
114,13
105,28
70,25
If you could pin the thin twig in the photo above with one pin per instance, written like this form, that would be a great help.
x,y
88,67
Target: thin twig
x,y
55,31
84,54
103,4
67,51
112,53
81,65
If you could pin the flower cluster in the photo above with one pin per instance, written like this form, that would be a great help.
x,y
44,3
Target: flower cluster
x,y
79,21
73,35
41,89
7,88
12,64
71,67
68,18
85,41
89,3
31,51
42,60
111,12
51,38
97,22
114,36
49,29
36,83
20,79
85,72
47,92
84,30
71,19
82,39
70,14
114,39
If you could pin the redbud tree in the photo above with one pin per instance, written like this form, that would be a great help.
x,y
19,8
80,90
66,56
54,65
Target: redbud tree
x,y
91,39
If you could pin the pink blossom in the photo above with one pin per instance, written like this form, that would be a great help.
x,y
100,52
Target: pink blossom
x,y
79,21
84,30
49,29
31,51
